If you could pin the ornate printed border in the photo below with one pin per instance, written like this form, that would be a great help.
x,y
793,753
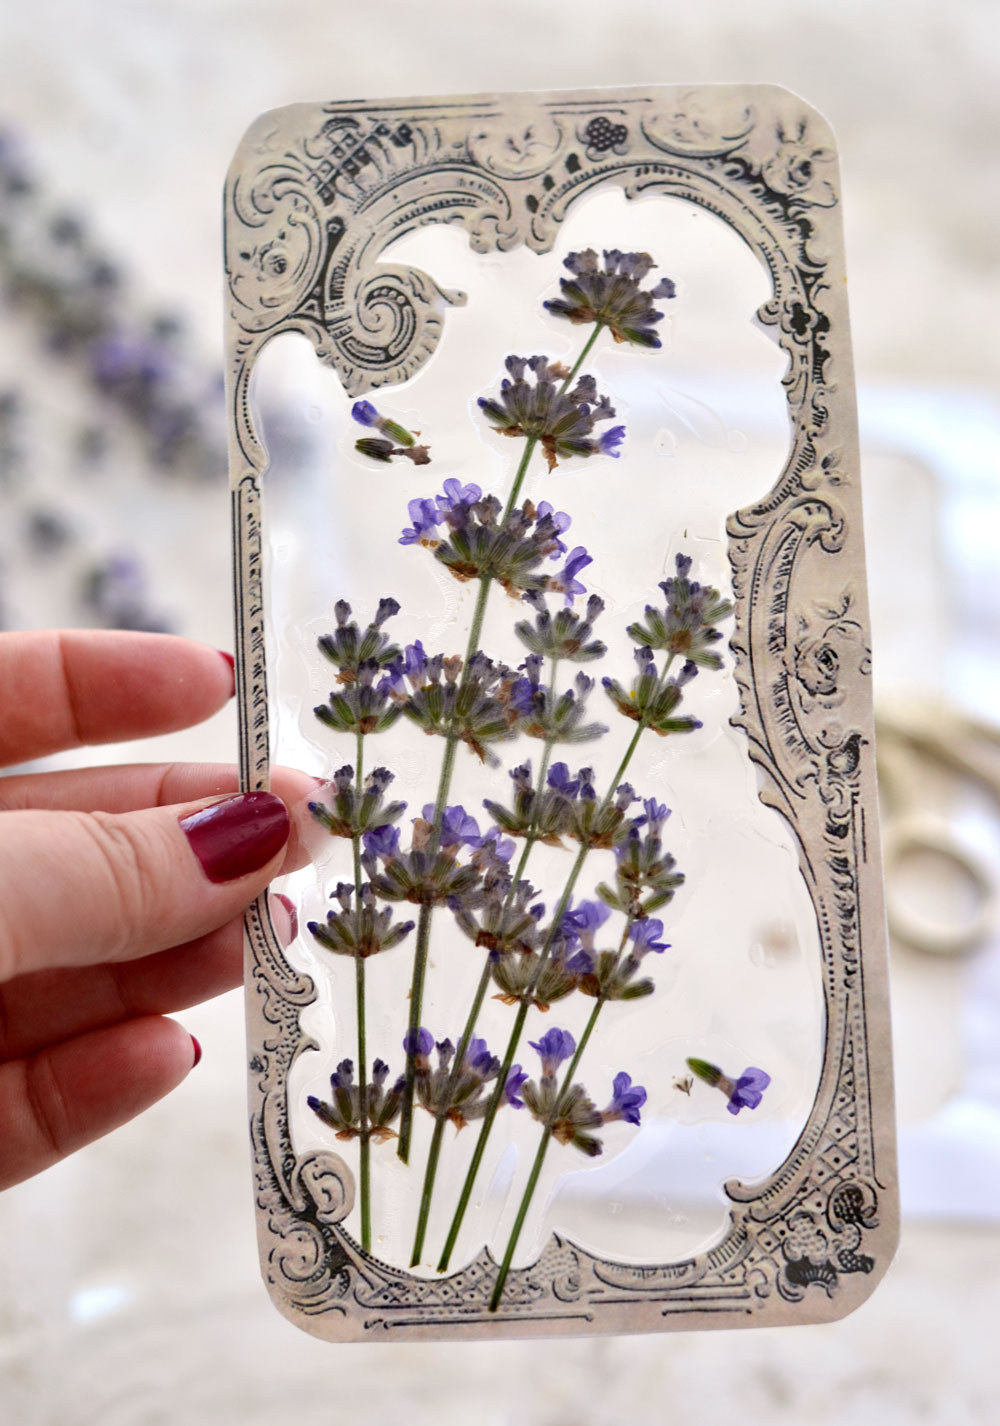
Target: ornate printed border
x,y
314,195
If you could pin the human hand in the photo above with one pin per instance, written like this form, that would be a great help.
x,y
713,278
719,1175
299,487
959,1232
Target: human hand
x,y
121,888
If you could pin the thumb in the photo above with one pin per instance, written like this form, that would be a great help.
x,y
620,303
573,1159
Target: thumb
x,y
81,888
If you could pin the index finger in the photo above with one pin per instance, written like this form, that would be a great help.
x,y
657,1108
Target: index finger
x,y
67,688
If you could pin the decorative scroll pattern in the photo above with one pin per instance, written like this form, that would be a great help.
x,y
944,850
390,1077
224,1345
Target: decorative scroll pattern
x,y
314,196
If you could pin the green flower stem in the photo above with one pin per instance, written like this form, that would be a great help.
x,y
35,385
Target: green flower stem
x,y
359,993
598,328
428,1189
522,470
532,1183
601,1001
522,1212
447,768
424,919
522,1013
508,1060
477,1005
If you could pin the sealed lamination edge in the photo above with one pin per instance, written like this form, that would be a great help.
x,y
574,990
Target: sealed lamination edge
x,y
809,1243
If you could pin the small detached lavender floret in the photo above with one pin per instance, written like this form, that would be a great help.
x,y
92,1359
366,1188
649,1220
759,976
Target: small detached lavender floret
x,y
378,448
745,1092
395,439
611,295
540,409
626,1101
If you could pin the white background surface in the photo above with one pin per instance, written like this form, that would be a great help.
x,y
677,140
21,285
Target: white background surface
x,y
128,1290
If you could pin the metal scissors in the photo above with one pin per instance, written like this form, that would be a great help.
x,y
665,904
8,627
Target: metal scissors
x,y
913,739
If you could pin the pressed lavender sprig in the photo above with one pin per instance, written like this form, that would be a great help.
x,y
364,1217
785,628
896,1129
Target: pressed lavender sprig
x,y
456,506
645,875
355,1116
610,296
687,625
461,701
543,410
465,531
594,825
567,1114
453,1092
499,916
361,704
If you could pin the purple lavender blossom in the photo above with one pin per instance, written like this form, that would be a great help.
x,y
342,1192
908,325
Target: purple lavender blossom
x,y
748,1090
743,1093
560,520
364,413
512,1087
382,842
477,1059
580,964
418,1043
561,781
415,663
458,827
585,920
656,813
456,495
555,1046
611,440
503,847
643,935
566,582
626,1100
426,517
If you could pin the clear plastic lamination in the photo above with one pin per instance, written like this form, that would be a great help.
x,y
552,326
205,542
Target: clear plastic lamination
x,y
738,983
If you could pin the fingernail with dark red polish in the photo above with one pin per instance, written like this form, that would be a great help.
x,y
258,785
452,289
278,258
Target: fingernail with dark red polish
x,y
292,929
197,1051
237,835
232,665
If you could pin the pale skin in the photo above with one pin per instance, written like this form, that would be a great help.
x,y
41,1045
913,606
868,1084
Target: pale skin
x,y
108,923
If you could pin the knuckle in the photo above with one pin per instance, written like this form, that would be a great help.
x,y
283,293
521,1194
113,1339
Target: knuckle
x,y
46,1103
126,865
